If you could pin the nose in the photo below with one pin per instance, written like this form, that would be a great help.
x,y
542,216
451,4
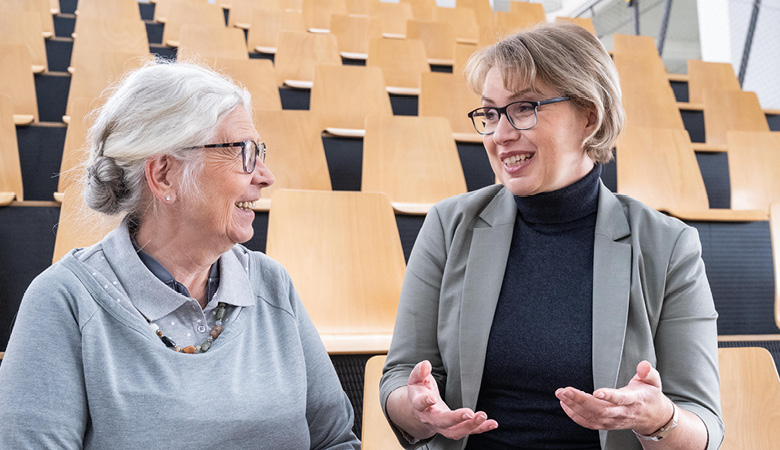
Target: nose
x,y
505,132
262,176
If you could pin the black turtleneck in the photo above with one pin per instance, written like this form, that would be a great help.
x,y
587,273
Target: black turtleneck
x,y
541,335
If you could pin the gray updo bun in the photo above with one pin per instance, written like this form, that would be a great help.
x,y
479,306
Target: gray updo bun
x,y
163,108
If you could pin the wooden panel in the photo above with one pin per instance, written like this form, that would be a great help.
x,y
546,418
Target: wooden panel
x,y
109,10
731,110
189,12
646,108
659,168
295,152
422,9
754,165
95,34
709,75
259,77
447,95
298,53
202,41
629,44
462,54
463,21
79,226
24,28
412,160
376,433
316,13
353,34
774,225
40,7
482,11
438,39
402,61
75,151
392,17
750,398
10,169
266,25
521,16
17,82
342,96
334,265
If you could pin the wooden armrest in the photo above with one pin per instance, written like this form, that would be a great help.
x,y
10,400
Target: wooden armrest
x,y
704,147
66,119
393,36
402,90
266,50
681,77
59,197
748,337
171,43
242,25
299,84
722,215
685,106
352,55
6,198
466,41
346,132
772,112
441,62
37,68
319,30
264,204
23,119
356,343
472,138
414,209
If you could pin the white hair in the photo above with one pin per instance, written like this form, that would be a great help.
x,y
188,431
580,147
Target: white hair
x,y
163,108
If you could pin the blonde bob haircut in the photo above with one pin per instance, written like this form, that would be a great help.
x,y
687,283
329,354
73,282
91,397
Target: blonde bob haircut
x,y
567,59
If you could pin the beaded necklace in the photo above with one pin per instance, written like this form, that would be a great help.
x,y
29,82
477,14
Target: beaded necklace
x,y
202,348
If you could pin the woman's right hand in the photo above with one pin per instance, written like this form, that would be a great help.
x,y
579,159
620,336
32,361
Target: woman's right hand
x,y
432,413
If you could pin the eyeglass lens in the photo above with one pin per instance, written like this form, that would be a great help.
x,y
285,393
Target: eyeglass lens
x,y
249,152
522,115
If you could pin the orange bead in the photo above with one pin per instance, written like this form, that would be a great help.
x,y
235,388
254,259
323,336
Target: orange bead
x,y
188,349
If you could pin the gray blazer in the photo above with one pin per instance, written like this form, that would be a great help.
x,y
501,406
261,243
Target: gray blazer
x,y
651,300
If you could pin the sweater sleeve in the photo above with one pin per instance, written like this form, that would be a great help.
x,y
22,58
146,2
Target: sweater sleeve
x,y
686,338
328,410
43,399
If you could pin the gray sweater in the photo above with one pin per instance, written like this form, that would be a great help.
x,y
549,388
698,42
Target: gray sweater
x,y
83,369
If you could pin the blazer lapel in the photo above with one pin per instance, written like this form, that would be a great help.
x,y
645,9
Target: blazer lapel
x,y
611,288
481,286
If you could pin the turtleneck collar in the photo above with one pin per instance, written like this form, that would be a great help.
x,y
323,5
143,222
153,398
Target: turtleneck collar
x,y
567,204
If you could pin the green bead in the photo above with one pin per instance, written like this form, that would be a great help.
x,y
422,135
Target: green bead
x,y
204,347
221,312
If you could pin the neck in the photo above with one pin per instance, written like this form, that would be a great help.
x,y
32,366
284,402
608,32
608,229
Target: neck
x,y
180,249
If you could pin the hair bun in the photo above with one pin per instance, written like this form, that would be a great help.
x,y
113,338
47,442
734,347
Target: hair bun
x,y
105,189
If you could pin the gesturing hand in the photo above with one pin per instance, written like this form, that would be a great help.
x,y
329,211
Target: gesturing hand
x,y
429,408
640,405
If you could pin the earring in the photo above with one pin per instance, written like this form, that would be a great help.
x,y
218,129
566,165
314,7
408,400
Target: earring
x,y
167,198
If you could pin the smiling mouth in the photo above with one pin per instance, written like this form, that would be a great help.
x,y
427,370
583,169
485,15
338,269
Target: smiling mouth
x,y
517,160
246,206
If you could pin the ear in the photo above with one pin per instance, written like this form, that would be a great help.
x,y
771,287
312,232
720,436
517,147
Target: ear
x,y
590,126
161,177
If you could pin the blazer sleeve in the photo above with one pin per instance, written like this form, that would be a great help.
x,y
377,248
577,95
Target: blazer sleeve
x,y
43,398
415,335
686,337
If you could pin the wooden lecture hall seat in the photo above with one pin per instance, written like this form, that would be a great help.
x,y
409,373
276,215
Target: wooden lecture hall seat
x,y
377,434
422,9
79,226
18,83
334,264
730,110
413,160
774,224
24,28
75,151
447,95
392,18
258,76
750,398
125,9
295,155
709,75
463,21
185,12
402,61
316,13
353,34
438,38
265,25
754,166
211,41
299,52
584,22
10,170
342,96
40,7
96,34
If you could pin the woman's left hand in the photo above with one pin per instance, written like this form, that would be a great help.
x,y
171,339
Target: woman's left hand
x,y
640,405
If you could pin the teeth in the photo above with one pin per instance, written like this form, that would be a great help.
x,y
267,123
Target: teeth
x,y
515,159
245,205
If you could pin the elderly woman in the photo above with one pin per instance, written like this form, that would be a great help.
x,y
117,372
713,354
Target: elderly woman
x,y
168,333
539,310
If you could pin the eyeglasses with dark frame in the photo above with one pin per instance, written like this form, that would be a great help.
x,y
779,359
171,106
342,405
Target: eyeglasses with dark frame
x,y
522,115
248,158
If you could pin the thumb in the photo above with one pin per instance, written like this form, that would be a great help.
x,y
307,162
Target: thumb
x,y
647,374
420,372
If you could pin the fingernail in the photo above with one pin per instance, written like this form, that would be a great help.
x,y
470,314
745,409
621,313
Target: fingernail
x,y
481,418
568,394
467,416
600,395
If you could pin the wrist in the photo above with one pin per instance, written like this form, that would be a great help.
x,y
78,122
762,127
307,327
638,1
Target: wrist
x,y
664,431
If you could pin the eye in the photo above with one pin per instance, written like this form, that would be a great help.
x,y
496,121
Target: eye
x,y
524,108
490,114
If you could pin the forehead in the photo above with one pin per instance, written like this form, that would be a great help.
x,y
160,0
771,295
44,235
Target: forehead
x,y
237,126
516,88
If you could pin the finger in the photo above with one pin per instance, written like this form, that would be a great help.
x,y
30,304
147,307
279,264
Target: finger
x,y
620,397
578,419
590,408
445,419
478,424
648,374
421,399
420,372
